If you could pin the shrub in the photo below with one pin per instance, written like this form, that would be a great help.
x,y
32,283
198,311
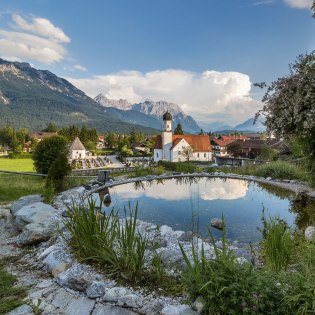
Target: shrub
x,y
178,167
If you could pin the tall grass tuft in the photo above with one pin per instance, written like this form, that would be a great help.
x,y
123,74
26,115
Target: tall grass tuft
x,y
113,244
277,245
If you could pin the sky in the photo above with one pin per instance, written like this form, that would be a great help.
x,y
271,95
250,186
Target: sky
x,y
203,55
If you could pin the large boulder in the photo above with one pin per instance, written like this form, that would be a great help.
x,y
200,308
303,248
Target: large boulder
x,y
25,201
37,232
34,213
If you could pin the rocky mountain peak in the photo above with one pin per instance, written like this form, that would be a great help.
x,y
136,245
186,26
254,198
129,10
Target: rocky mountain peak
x,y
120,104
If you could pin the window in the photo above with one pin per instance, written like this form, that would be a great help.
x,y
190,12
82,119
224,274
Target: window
x,y
197,154
179,152
205,155
157,154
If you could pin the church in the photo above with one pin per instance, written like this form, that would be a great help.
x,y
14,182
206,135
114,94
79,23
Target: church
x,y
180,148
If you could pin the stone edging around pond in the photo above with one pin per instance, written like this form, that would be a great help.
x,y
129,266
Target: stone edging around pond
x,y
97,291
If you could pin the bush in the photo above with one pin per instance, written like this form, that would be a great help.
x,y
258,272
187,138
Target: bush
x,y
182,167
47,151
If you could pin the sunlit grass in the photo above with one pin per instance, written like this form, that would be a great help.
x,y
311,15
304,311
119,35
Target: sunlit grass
x,y
17,165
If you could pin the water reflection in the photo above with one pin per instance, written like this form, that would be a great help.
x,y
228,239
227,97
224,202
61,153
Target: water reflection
x,y
190,203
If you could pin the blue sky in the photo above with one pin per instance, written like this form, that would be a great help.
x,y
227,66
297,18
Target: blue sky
x,y
201,54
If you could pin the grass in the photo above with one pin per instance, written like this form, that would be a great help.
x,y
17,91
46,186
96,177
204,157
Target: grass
x,y
275,170
11,296
17,165
13,186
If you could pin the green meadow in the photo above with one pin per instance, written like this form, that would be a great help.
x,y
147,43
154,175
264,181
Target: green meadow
x,y
16,165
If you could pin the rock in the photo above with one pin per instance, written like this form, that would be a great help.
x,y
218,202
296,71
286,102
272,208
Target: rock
x,y
35,213
199,304
268,178
166,230
37,232
25,201
241,260
217,223
157,242
46,252
80,305
61,299
178,310
97,289
153,308
130,300
50,261
186,236
22,310
77,282
310,233
171,257
58,269
113,294
101,309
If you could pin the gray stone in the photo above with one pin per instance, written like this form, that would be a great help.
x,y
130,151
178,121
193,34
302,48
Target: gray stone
x,y
22,310
310,233
217,223
113,294
171,256
51,262
186,236
73,281
97,289
199,304
130,300
61,299
153,308
101,309
46,252
80,305
166,230
37,232
178,310
268,178
25,201
35,213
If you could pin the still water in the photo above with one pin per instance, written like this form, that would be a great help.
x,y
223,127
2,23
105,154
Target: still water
x,y
190,204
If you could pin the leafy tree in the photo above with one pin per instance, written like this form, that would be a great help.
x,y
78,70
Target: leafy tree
x,y
178,130
111,140
268,153
201,132
188,152
57,172
51,127
47,151
235,148
289,106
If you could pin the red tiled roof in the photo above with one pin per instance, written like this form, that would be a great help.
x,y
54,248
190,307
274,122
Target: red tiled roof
x,y
199,143
223,143
241,137
42,135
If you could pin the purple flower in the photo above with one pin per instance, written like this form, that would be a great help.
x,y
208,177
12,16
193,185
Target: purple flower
x,y
255,308
255,296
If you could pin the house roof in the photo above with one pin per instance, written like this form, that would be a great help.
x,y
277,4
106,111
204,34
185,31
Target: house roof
x,y
241,137
76,145
223,143
42,135
200,143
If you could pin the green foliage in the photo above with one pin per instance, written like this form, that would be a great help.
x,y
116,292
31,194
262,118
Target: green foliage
x,y
277,245
57,172
182,167
11,296
178,130
47,151
51,127
103,239
268,153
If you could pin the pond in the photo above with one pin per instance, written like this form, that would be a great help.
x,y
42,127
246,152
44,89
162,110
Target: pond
x,y
190,203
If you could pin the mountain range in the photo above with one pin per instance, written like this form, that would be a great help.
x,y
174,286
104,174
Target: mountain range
x,y
32,98
148,113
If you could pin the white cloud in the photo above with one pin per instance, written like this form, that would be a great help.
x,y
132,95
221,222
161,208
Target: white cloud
x,y
204,189
207,96
299,4
263,2
79,68
38,40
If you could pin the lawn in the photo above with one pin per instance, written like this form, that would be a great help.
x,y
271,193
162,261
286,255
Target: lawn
x,y
17,165
14,186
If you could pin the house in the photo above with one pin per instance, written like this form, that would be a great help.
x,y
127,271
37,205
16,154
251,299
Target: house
x,y
179,148
77,150
41,135
220,146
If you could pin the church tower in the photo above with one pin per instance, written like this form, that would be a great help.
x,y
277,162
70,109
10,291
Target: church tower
x,y
167,136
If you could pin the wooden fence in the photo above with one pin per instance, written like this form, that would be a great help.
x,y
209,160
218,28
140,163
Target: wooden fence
x,y
94,171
